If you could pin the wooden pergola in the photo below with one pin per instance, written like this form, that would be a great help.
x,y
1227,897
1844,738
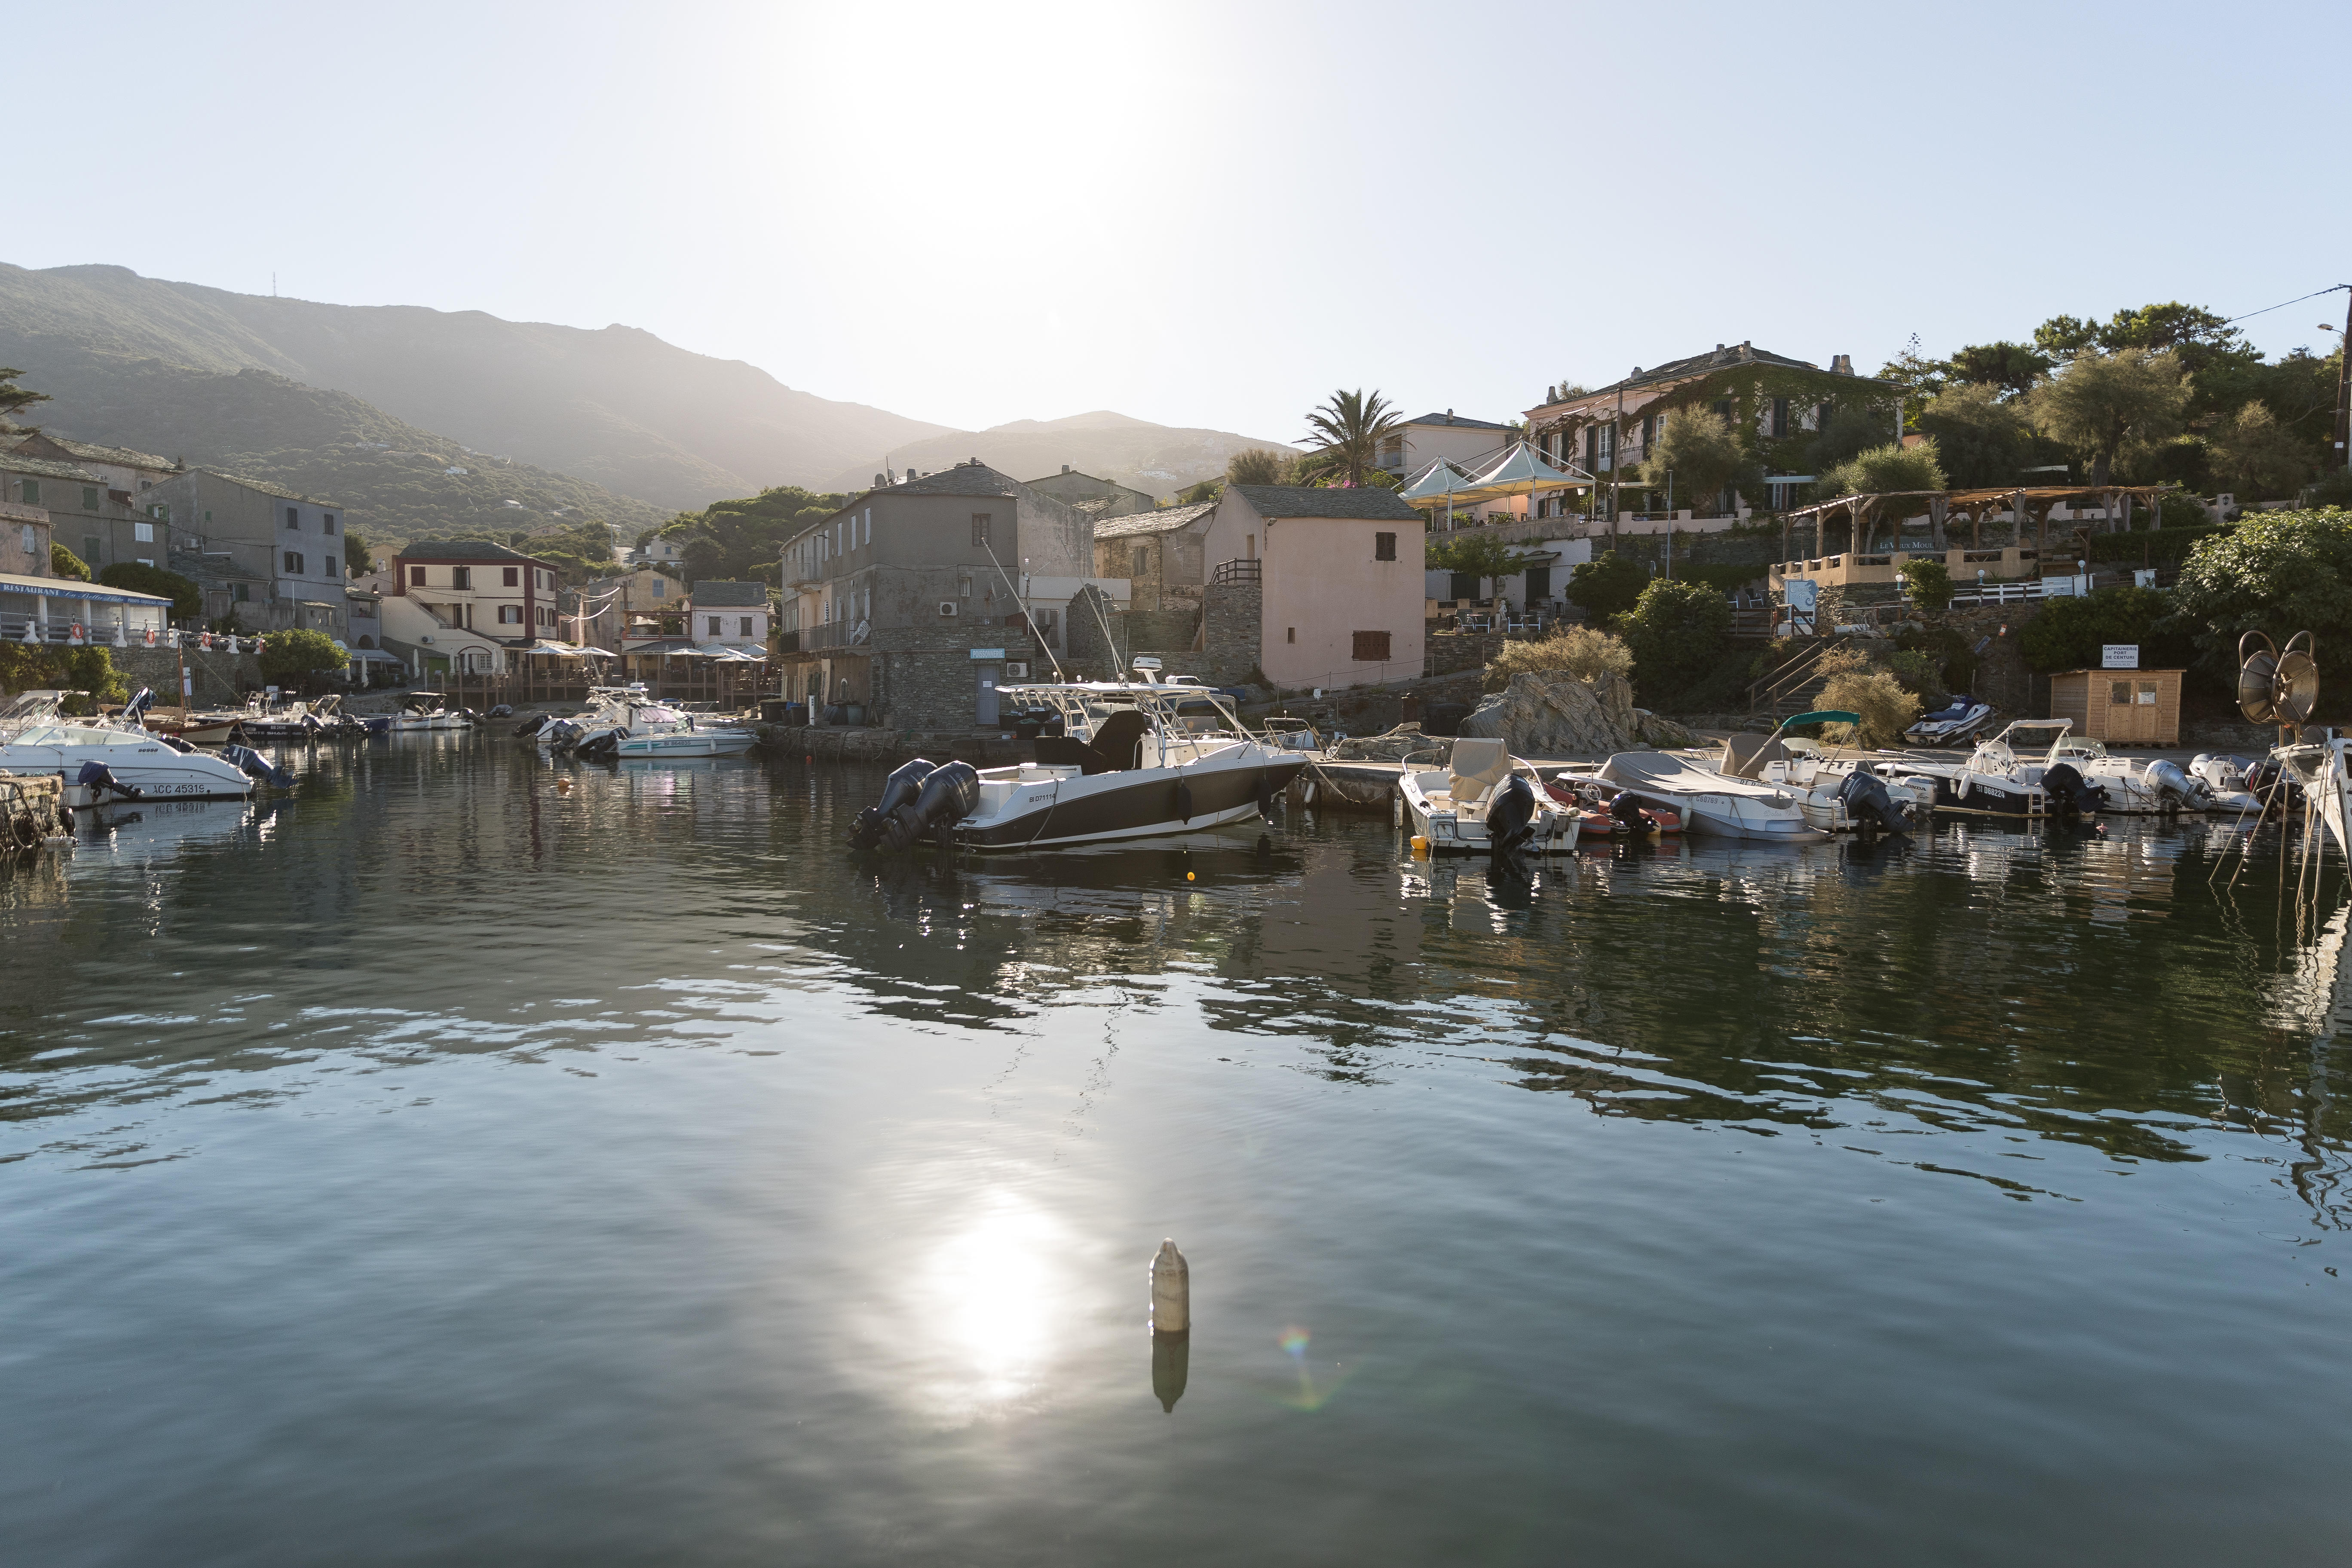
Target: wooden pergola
x,y
1863,514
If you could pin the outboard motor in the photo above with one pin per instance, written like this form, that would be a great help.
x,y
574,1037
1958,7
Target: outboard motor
x,y
949,794
1625,809
2177,789
257,766
1510,817
1866,801
533,723
98,775
898,790
602,747
2071,793
503,711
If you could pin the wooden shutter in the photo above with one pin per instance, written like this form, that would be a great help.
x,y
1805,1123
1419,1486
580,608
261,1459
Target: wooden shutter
x,y
1371,648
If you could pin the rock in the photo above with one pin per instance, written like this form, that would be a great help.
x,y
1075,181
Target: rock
x,y
1657,729
1404,741
1551,714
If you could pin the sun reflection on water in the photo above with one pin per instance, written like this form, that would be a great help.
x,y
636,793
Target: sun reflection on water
x,y
990,1303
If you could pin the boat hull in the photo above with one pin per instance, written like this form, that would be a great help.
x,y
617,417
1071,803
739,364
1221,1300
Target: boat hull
x,y
686,744
153,769
1102,807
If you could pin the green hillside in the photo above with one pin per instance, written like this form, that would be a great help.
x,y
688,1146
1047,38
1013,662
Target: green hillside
x,y
387,473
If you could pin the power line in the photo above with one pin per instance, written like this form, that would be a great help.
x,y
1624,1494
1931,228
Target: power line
x,y
2283,304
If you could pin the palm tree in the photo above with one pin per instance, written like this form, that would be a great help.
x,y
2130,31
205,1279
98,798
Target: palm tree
x,y
1350,430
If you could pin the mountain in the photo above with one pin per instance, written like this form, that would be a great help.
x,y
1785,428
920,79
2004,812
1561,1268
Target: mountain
x,y
619,407
1160,459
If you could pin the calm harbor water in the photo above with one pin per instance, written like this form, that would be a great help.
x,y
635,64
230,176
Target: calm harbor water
x,y
440,1167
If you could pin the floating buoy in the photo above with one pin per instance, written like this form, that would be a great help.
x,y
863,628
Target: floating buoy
x,y
563,786
1172,1292
1188,876
1420,846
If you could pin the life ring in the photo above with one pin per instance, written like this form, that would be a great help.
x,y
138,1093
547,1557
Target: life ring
x,y
75,635
205,641
150,637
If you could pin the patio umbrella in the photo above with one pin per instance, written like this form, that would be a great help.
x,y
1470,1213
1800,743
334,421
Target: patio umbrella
x,y
1440,481
1519,473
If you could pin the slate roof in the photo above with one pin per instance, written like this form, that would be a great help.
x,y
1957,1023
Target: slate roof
x,y
964,480
46,468
265,486
1450,417
461,550
1365,502
709,596
1166,520
1724,356
121,456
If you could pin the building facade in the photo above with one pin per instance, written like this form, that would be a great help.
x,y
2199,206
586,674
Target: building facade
x,y
1095,498
1466,443
1340,581
729,614
270,557
1162,554
464,605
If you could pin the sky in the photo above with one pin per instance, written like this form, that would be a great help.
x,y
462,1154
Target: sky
x,y
1204,214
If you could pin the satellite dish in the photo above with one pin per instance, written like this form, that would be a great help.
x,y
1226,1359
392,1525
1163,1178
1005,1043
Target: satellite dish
x,y
2296,686
2257,670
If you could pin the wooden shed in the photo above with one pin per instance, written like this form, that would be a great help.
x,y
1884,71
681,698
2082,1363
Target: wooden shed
x,y
2120,707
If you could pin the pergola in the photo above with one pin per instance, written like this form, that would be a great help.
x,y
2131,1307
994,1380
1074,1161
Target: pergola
x,y
1862,513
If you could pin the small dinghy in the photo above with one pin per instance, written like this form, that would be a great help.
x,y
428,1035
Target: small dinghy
x,y
1484,804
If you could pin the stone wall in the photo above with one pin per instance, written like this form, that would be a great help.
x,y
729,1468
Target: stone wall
x,y
2002,678
1447,652
219,677
1235,618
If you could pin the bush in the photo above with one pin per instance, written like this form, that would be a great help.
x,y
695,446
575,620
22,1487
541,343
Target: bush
x,y
2155,547
1954,655
1607,586
1920,672
1677,632
1723,579
90,669
2067,634
64,562
187,599
1875,695
1579,651
1930,583
2279,572
297,657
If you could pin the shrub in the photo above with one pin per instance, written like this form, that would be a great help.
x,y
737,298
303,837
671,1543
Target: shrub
x,y
1930,583
1608,586
1723,579
1953,655
31,668
1920,672
2153,546
1876,696
187,599
298,654
1581,651
64,562
1677,632
2067,634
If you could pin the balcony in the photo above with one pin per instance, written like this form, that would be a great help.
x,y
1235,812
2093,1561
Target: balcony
x,y
1245,571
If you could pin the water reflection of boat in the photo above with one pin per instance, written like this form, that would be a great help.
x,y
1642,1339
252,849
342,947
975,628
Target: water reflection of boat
x,y
155,825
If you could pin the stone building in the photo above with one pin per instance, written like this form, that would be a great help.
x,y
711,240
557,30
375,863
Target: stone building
x,y
1098,499
1158,553
917,599
731,615
271,556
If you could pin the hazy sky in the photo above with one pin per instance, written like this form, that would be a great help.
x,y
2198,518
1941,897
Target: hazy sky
x,y
1203,214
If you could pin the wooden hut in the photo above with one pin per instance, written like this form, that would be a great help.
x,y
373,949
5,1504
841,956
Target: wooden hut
x,y
2120,707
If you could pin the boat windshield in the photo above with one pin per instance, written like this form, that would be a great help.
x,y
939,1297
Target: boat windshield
x,y
1186,711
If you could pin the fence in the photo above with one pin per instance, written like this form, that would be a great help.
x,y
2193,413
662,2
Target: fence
x,y
725,685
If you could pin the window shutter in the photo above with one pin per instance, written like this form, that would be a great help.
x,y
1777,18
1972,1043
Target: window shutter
x,y
1384,547
1371,648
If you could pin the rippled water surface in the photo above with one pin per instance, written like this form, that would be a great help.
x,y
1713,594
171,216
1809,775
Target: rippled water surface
x,y
440,1166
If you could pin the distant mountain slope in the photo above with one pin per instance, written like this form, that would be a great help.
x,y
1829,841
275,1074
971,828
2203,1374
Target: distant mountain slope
x,y
1161,460
327,444
618,406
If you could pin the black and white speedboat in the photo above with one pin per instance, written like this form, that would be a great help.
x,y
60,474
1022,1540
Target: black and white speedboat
x,y
1117,760
2017,774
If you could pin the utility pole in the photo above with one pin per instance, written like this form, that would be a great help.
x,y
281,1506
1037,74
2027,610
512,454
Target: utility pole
x,y
2344,387
1616,464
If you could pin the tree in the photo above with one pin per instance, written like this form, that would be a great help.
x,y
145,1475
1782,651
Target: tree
x,y
1475,552
1851,428
1980,437
2256,455
1206,490
1887,470
1258,465
2278,572
1607,586
1873,694
187,598
2067,634
1351,427
2004,367
298,656
1676,631
13,397
1930,583
64,562
2102,403
1704,453
359,560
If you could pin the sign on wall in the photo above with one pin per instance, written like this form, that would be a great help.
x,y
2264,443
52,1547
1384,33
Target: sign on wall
x,y
2119,656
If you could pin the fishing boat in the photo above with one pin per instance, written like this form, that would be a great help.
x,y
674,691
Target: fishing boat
x,y
1133,760
36,738
1711,802
1482,802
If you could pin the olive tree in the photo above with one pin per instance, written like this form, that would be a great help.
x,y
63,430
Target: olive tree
x,y
2100,404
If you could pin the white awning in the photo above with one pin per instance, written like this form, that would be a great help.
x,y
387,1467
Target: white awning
x,y
68,589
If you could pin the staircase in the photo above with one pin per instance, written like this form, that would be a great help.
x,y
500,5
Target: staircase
x,y
1792,686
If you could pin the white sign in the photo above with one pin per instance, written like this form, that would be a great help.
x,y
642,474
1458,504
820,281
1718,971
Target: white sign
x,y
979,653
2119,656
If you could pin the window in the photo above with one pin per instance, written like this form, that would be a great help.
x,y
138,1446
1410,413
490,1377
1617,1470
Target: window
x,y
510,614
1142,562
90,497
1384,547
461,576
980,525
1291,634
143,533
746,623
29,540
244,592
416,576
1249,546
146,484
32,492
513,577
1780,418
714,625
91,546
326,523
661,587
2119,692
293,517
294,562
1371,648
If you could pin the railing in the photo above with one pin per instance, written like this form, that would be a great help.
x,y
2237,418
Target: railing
x,y
788,642
1244,571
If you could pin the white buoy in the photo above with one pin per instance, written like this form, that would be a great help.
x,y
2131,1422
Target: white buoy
x,y
1172,1292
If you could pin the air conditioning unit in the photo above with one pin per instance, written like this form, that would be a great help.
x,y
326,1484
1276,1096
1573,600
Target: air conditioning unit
x,y
1016,669
947,609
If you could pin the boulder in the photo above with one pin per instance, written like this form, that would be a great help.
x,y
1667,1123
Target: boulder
x,y
1547,713
1657,729
1404,741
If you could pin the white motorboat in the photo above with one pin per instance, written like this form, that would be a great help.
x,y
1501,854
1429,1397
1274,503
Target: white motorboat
x,y
424,710
1483,789
1133,760
627,724
35,738
2013,775
2146,786
1711,802
2225,779
1835,794
2322,769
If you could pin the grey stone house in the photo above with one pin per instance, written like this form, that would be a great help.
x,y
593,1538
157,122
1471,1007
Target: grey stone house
x,y
1160,553
1096,498
916,600
271,556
